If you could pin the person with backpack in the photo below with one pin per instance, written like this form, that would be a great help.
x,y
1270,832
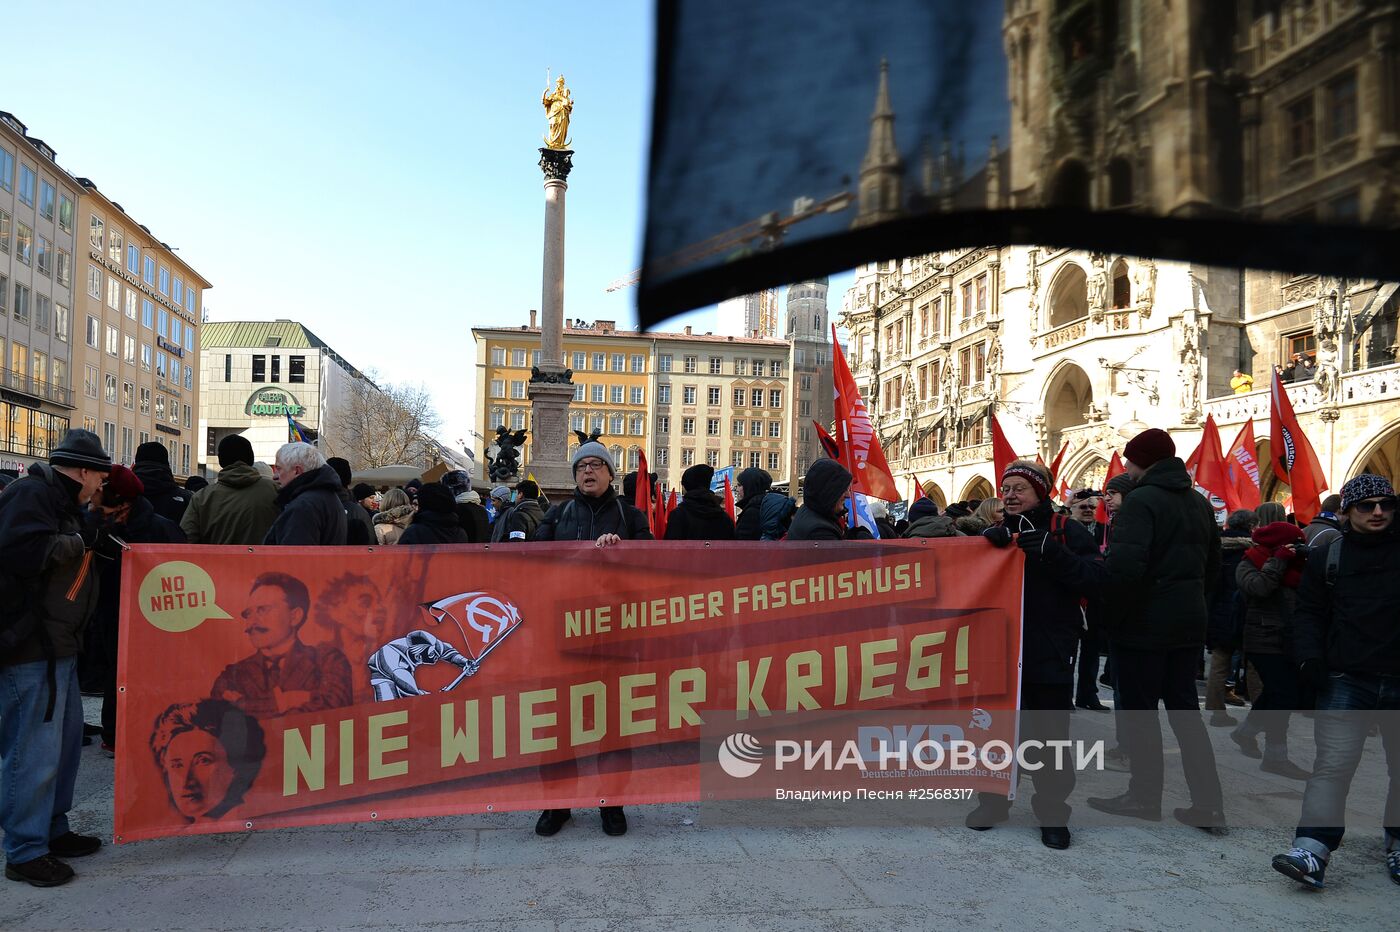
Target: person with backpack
x,y
763,513
524,517
595,513
1325,527
48,587
1347,643
1163,559
1062,570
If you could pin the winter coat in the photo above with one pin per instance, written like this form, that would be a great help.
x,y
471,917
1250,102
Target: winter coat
x,y
237,509
932,526
472,517
47,580
1223,629
699,516
359,527
1269,605
434,527
142,526
1350,625
1059,577
523,520
1322,530
389,525
168,498
764,516
825,483
585,518
1164,557
312,513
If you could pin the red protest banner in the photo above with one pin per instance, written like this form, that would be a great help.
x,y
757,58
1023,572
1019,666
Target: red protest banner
x,y
266,687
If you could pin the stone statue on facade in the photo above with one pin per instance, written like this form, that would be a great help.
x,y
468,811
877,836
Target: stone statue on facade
x,y
994,361
1328,376
1033,286
1098,285
1191,333
1145,285
505,464
558,107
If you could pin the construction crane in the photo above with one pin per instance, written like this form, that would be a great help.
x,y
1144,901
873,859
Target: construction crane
x,y
767,230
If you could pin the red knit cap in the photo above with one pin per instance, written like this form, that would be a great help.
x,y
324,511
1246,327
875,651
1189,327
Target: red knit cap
x,y
1149,447
122,486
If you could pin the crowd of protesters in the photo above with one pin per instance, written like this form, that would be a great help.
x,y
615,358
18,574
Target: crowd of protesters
x,y
1268,614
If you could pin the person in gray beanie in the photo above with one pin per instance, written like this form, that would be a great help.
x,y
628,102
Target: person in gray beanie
x,y
49,590
595,513
1347,645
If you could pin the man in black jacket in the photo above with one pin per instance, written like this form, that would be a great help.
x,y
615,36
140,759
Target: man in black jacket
x,y
152,467
1347,643
763,513
823,511
312,510
1165,555
525,515
700,514
359,524
48,589
596,513
1062,570
436,521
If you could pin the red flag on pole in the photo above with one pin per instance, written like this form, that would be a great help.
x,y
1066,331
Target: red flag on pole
x,y
1242,468
1293,457
1115,468
642,497
859,447
671,503
829,445
1002,454
728,497
1059,458
1206,465
918,491
662,513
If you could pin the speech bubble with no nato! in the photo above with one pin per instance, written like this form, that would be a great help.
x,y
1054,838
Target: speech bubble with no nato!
x,y
179,596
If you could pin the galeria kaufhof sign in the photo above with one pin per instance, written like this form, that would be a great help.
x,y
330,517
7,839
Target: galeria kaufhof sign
x,y
272,402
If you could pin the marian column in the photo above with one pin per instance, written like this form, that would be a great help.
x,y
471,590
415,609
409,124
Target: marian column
x,y
551,384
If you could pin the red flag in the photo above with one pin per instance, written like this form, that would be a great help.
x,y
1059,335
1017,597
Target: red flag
x,y
728,497
1059,458
642,497
672,503
1115,468
918,491
1207,466
662,514
829,444
1002,454
1293,456
860,450
1242,467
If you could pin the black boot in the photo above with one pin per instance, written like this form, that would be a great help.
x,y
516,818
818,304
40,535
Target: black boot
x,y
551,821
614,820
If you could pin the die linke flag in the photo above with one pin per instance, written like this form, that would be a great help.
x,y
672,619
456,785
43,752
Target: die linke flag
x,y
1002,454
1293,458
1207,466
855,435
890,143
1115,468
1242,466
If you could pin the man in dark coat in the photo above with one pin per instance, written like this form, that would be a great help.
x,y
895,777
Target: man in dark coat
x,y
123,513
312,510
49,593
1084,507
1164,557
763,513
1347,644
596,513
1223,629
470,515
700,514
237,509
152,467
1062,570
525,515
823,511
436,521
359,527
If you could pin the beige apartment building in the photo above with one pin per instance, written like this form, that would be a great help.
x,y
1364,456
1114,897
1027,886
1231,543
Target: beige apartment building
x,y
137,311
680,398
39,217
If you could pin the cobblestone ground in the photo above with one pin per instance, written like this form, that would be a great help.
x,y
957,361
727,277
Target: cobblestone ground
x,y
672,871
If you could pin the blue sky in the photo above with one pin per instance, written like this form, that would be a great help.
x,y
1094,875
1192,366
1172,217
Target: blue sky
x,y
366,168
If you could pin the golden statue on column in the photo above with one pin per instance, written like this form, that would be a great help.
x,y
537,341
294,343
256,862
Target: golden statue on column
x,y
558,106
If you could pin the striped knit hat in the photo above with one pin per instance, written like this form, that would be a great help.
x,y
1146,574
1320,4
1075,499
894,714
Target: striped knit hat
x,y
80,449
1363,487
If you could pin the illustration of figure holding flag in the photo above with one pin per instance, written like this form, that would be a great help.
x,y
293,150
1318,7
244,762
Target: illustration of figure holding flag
x,y
391,667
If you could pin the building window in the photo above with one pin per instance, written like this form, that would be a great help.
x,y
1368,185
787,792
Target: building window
x,y
498,388
133,259
979,361
296,368
109,389
712,427
663,394
690,364
687,457
163,323
688,395
580,361
616,394
130,304
160,407
579,390
498,419
663,457
94,332
775,429
617,424
276,367
160,365
60,322
756,459
639,363
1122,289
638,425
757,400
576,420
189,377
24,243
146,356
600,362
712,396
1301,128
517,420
498,355
804,408
775,369
1341,107
517,389
21,310
535,358
228,367
688,426
45,257
598,393
663,423
738,459
664,363
177,287
90,379
1303,343
129,349
775,398
4,232
148,271
738,427
597,423
716,365
259,368
148,313
517,358
982,293
712,458
619,362
755,428
7,170
109,435
128,395
96,230
26,189
164,285
638,395
773,463
741,367
114,293
189,415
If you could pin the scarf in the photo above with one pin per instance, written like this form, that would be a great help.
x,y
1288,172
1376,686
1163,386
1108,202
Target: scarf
x,y
1270,542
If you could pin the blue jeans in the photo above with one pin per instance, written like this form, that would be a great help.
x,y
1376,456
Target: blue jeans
x,y
1339,729
38,759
